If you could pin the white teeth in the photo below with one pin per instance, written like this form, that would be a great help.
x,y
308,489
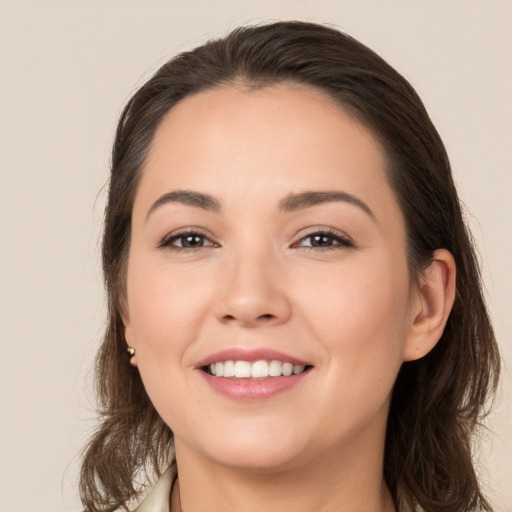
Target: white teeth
x,y
257,370
275,368
298,369
287,369
242,369
229,369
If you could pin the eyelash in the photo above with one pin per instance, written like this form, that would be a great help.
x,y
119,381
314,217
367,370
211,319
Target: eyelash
x,y
340,241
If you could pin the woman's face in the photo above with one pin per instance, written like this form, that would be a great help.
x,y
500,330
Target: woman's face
x,y
264,230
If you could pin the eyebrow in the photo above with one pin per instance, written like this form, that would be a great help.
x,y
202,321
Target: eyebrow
x,y
290,203
188,198
295,202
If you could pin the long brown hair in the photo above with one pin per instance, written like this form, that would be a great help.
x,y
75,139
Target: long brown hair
x,y
439,400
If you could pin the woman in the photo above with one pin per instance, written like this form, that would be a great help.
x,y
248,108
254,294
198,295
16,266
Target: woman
x,y
286,261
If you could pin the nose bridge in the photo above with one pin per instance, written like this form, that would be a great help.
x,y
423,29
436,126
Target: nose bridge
x,y
252,292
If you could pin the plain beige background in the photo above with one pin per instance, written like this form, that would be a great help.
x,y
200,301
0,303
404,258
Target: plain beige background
x,y
67,68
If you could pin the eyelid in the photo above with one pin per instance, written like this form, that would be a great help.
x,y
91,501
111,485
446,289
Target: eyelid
x,y
344,240
165,242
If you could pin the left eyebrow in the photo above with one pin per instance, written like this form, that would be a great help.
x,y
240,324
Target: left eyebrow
x,y
294,202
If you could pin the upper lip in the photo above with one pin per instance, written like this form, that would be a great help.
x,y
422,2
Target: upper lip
x,y
250,355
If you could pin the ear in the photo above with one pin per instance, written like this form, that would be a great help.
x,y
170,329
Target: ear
x,y
432,303
128,332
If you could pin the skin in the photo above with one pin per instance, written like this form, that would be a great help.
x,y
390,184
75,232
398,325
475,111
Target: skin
x,y
350,310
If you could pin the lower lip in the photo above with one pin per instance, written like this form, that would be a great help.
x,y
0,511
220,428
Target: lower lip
x,y
247,389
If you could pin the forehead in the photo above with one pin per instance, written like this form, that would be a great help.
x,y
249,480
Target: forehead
x,y
236,142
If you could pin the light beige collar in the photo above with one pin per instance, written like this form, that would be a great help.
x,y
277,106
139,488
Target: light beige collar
x,y
158,498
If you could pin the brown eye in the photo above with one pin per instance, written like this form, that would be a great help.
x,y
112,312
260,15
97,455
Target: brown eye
x,y
188,240
191,241
321,240
324,240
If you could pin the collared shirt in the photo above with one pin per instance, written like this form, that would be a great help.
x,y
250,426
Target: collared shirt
x,y
158,498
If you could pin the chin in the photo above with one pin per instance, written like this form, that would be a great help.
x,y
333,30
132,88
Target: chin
x,y
258,460
263,450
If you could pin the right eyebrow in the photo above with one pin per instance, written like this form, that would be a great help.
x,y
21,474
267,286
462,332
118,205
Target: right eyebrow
x,y
186,197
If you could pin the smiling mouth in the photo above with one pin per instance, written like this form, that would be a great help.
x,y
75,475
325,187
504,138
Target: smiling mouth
x,y
261,369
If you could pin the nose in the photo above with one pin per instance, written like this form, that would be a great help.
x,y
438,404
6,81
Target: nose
x,y
253,293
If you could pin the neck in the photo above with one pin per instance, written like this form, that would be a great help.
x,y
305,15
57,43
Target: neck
x,y
348,480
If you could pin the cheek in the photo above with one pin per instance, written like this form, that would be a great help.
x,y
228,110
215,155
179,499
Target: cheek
x,y
360,296
165,311
360,317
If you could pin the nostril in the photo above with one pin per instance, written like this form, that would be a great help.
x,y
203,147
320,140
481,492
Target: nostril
x,y
250,320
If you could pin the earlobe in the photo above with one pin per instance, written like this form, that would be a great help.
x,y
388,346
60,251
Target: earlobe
x,y
434,299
